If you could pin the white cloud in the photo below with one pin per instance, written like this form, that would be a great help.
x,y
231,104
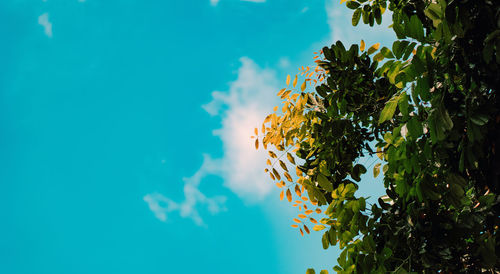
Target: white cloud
x,y
214,2
43,20
339,21
188,208
249,99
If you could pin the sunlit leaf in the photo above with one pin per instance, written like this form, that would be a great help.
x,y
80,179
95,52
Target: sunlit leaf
x,y
373,48
276,174
362,45
318,227
297,190
376,170
288,80
313,220
306,229
282,195
283,166
289,195
295,81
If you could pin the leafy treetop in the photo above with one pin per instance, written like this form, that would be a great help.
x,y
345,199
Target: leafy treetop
x,y
428,108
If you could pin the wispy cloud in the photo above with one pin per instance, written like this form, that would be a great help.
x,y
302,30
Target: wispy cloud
x,y
241,108
43,20
162,206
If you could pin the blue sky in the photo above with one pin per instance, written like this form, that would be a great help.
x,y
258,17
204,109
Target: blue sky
x,y
124,132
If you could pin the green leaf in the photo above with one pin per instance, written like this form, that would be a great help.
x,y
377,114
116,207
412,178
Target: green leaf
x,y
324,183
356,16
376,170
414,127
416,28
479,119
323,168
352,5
389,109
403,103
386,52
325,241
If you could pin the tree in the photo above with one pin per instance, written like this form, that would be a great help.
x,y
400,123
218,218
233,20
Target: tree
x,y
429,109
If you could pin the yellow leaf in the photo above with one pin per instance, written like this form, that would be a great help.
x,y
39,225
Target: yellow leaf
x,y
295,226
288,177
283,166
318,210
303,86
301,232
289,195
263,128
298,171
342,1
288,80
256,143
276,174
282,195
281,91
283,183
272,154
306,229
298,202
308,211
296,220
362,45
319,227
295,81
272,176
313,220
373,48
268,162
304,198
279,185
297,190
256,131
275,108
302,216
290,158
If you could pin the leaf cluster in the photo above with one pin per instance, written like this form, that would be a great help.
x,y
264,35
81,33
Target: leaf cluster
x,y
428,108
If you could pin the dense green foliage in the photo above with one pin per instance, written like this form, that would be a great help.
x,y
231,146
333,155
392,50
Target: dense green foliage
x,y
429,108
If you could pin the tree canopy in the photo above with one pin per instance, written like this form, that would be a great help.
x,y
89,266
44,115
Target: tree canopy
x,y
428,109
